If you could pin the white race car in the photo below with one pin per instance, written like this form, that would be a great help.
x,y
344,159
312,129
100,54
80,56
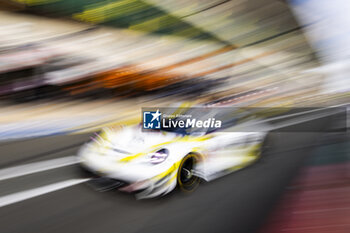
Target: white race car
x,y
153,163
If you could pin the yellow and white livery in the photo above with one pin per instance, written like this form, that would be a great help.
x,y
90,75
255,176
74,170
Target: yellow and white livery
x,y
152,164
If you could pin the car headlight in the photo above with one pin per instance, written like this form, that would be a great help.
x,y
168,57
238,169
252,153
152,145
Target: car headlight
x,y
159,156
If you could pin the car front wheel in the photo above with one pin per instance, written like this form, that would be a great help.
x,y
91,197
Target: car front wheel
x,y
186,179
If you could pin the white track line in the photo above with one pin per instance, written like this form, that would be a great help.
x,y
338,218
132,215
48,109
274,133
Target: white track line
x,y
26,169
24,195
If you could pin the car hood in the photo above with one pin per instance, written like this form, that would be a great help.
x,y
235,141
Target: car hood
x,y
132,140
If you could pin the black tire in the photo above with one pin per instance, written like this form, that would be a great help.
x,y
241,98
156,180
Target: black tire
x,y
186,180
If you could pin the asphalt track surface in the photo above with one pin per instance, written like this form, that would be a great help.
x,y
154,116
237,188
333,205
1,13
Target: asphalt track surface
x,y
238,202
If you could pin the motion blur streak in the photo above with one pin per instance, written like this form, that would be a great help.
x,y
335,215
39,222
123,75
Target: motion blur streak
x,y
21,196
80,78
318,200
31,168
328,32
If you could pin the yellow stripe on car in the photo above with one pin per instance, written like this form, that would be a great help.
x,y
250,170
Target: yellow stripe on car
x,y
173,168
129,158
184,139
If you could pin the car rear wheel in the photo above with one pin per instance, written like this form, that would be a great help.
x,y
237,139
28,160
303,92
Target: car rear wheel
x,y
186,179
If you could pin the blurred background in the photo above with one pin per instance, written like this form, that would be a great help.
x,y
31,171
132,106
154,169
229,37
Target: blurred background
x,y
68,68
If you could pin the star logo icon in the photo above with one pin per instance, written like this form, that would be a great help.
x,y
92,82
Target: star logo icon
x,y
151,119
156,115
